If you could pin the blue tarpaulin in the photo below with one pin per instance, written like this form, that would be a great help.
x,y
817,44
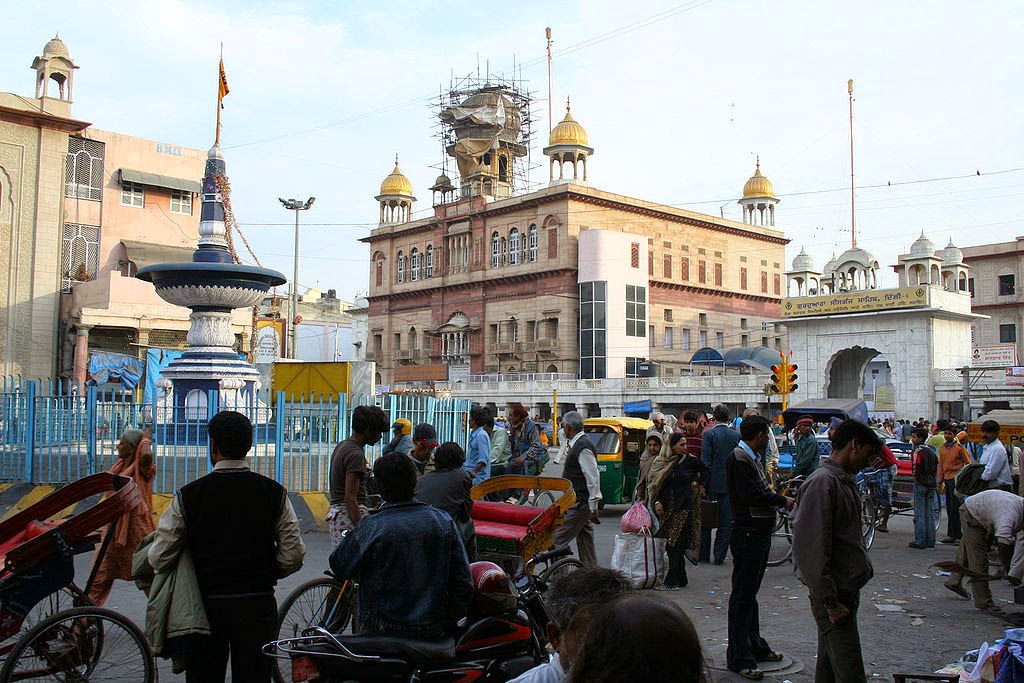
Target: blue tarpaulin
x,y
156,361
115,368
637,407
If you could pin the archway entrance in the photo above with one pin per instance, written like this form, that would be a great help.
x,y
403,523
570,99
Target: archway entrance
x,y
846,372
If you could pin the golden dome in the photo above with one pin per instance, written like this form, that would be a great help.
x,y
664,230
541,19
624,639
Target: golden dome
x,y
568,131
758,185
396,183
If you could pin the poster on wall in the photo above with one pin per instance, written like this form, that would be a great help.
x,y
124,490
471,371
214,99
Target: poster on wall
x,y
995,356
269,340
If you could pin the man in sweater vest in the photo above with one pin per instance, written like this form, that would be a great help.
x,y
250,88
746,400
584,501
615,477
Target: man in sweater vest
x,y
580,469
242,533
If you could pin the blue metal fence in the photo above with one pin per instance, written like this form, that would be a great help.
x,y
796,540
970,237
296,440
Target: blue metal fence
x,y
52,434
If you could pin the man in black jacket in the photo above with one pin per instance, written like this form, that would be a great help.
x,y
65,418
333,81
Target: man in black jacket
x,y
754,507
717,445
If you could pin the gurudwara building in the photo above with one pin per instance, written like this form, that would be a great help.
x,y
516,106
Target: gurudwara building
x,y
567,278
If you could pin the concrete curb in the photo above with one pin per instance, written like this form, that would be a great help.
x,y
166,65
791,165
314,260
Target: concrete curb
x,y
310,506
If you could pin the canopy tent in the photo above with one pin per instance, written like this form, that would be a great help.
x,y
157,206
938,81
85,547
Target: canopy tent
x,y
707,356
758,357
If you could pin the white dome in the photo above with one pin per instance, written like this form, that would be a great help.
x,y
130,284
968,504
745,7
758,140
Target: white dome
x,y
803,262
922,246
856,257
951,255
830,267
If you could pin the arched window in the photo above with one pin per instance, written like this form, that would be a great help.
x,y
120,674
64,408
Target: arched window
x,y
430,261
380,273
414,264
401,267
513,246
495,251
504,251
414,341
533,243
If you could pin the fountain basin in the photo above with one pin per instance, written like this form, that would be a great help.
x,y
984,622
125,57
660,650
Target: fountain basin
x,y
211,286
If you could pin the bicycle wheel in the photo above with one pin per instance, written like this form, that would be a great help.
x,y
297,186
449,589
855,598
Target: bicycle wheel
x,y
81,644
543,499
868,520
782,541
319,602
564,566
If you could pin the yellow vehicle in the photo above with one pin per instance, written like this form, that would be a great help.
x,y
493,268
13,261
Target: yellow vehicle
x,y
619,442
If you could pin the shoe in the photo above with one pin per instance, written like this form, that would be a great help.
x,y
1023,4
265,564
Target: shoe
x,y
882,529
751,674
994,610
772,656
948,540
958,589
666,587
918,546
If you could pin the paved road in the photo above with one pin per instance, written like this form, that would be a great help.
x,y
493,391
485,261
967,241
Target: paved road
x,y
934,627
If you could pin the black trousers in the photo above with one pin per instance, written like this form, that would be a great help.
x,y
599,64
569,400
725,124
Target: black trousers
x,y
750,549
953,529
839,654
676,575
239,627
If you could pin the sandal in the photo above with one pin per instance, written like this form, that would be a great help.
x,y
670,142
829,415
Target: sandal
x,y
772,656
751,674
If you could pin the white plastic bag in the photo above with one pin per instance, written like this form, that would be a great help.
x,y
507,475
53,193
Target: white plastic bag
x,y
640,557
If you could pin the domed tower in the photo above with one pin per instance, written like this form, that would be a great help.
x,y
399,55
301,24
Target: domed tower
x,y
807,279
568,144
443,190
395,197
54,65
922,266
954,270
486,125
759,199
855,269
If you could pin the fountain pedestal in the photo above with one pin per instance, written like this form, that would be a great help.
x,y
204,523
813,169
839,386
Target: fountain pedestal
x,y
212,286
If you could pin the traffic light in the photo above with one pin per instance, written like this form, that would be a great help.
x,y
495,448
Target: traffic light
x,y
778,384
790,380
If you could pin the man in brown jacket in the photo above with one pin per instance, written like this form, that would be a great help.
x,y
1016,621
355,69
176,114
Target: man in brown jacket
x,y
828,550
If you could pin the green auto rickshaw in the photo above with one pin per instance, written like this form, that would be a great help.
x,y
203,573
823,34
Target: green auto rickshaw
x,y
619,441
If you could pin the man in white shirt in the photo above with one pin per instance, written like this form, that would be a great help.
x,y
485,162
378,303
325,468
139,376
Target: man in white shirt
x,y
994,458
580,469
992,513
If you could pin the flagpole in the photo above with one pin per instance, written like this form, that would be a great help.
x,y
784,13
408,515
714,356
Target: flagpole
x,y
547,33
853,201
221,82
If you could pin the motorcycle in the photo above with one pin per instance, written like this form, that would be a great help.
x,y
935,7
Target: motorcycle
x,y
504,636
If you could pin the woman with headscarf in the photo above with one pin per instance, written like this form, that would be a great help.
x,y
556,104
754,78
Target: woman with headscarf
x,y
674,486
651,453
135,460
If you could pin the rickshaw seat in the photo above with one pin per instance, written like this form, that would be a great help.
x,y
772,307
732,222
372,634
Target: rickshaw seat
x,y
507,532
504,513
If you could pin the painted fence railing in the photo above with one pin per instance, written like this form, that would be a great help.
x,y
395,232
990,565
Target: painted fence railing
x,y
50,434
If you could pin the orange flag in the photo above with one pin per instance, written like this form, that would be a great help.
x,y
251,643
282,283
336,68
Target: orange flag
x,y
223,90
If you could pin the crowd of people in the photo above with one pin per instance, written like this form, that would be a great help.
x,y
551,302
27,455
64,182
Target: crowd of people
x,y
707,481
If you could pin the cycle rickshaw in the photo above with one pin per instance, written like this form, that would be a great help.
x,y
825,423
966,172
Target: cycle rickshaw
x,y
49,630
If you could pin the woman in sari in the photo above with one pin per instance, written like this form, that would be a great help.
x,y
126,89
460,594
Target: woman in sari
x,y
135,460
675,485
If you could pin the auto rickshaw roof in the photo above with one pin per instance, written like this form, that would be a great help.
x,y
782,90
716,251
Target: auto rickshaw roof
x,y
627,422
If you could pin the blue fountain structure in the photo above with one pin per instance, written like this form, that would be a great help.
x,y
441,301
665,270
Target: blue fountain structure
x,y
211,285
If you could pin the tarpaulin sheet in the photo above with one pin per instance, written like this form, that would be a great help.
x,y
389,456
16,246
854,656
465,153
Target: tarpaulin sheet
x,y
115,367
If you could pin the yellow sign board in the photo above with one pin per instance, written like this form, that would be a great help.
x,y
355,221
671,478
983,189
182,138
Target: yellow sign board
x,y
856,302
1010,435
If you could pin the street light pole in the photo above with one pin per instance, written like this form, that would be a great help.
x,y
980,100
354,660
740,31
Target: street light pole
x,y
295,205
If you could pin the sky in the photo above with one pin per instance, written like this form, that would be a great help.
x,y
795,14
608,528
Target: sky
x,y
678,98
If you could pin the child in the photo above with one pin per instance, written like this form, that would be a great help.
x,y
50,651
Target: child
x,y
926,463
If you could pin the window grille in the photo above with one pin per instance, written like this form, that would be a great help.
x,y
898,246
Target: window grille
x,y
533,243
83,173
79,259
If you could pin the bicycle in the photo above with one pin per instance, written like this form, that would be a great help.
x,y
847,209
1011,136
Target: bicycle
x,y
782,535
322,602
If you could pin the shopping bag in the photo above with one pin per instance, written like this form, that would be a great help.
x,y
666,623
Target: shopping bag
x,y
636,518
636,556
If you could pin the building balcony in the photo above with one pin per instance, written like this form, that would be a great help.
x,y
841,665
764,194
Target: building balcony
x,y
546,345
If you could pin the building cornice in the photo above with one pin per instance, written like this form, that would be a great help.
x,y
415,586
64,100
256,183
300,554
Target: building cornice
x,y
504,280
41,119
724,293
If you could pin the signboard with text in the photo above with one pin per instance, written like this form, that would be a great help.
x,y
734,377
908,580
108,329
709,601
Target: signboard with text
x,y
1015,377
269,340
856,302
995,356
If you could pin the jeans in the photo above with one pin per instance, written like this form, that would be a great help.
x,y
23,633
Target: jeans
x,y
924,515
750,549
721,546
839,654
953,529
239,627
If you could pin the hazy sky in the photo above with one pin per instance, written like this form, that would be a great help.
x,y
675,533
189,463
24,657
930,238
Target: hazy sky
x,y
677,98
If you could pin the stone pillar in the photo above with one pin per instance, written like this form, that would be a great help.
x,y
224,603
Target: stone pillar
x,y
81,366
